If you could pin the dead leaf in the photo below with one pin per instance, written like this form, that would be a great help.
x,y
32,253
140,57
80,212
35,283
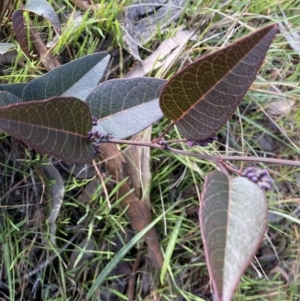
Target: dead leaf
x,y
86,5
138,212
279,106
137,166
289,33
142,20
57,192
161,55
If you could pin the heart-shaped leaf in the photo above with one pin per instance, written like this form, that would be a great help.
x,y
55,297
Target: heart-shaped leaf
x,y
233,219
126,106
77,78
57,127
203,96
7,98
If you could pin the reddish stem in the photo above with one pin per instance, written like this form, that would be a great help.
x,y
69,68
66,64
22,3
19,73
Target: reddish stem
x,y
216,159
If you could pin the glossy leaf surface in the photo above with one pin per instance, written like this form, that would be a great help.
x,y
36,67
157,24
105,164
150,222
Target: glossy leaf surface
x,y
203,96
57,127
233,219
77,78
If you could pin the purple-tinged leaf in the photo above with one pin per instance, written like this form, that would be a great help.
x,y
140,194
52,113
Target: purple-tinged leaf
x,y
57,127
39,7
203,95
19,28
233,219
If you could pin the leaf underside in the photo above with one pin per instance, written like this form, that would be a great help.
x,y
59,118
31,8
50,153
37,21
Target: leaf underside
x,y
131,121
76,78
6,47
125,107
116,95
233,219
44,9
202,97
39,7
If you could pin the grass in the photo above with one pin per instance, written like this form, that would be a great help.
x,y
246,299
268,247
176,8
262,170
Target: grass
x,y
94,241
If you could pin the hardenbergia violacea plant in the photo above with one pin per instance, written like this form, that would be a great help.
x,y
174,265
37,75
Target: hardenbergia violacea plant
x,y
71,119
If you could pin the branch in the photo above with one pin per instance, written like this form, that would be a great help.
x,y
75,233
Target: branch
x,y
212,158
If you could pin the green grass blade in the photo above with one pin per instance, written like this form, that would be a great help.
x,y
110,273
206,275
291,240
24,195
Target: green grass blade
x,y
118,257
171,246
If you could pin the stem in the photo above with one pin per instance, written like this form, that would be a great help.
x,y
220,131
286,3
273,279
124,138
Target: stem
x,y
212,158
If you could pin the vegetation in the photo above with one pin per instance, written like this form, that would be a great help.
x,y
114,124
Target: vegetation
x,y
84,249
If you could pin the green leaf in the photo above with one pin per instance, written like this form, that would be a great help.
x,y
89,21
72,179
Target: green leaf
x,y
7,98
16,89
6,47
131,121
57,127
126,106
116,95
203,96
233,219
77,79
44,9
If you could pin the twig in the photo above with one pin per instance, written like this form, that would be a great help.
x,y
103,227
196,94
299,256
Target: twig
x,y
216,159
132,278
47,59
85,5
